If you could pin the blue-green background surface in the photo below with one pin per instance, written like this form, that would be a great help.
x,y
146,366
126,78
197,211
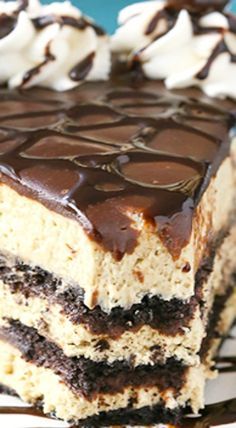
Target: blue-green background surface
x,y
105,11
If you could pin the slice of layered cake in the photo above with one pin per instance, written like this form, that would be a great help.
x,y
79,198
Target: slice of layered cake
x,y
118,235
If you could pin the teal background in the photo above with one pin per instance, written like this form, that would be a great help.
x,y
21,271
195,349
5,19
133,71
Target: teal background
x,y
105,11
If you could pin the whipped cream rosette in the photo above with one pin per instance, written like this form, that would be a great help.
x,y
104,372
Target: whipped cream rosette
x,y
53,46
184,43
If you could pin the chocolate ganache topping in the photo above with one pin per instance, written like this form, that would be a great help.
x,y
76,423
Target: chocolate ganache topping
x,y
53,46
186,43
105,153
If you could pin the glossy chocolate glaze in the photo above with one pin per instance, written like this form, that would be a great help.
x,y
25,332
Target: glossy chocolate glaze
x,y
106,149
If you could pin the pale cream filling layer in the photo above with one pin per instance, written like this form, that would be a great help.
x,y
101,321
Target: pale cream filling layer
x,y
60,245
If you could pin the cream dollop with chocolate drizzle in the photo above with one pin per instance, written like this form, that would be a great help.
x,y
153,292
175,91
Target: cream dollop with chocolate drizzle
x,y
183,47
53,46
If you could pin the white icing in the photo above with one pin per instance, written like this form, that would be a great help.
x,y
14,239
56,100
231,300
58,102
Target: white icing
x,y
177,55
54,50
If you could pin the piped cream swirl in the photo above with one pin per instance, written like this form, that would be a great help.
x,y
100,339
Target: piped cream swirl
x,y
53,46
183,48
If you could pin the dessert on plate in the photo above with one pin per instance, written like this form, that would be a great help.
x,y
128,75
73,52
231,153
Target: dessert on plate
x,y
117,208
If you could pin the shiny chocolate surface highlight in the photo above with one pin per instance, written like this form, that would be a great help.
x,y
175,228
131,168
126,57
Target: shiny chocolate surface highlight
x,y
105,150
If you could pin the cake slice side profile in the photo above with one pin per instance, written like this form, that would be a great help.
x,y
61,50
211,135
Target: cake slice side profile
x,y
117,223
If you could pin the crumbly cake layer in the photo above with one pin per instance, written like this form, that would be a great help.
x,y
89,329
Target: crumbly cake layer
x,y
108,177
149,332
35,381
86,377
32,383
130,417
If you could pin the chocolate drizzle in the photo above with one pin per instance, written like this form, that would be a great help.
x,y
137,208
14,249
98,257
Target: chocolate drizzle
x,y
49,57
7,25
78,23
226,364
81,70
197,9
23,5
103,150
220,48
166,14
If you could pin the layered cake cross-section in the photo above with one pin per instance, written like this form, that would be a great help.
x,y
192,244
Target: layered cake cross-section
x,y
118,245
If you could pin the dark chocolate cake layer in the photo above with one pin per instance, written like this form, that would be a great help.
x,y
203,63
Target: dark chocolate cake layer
x,y
90,378
168,317
144,416
87,377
